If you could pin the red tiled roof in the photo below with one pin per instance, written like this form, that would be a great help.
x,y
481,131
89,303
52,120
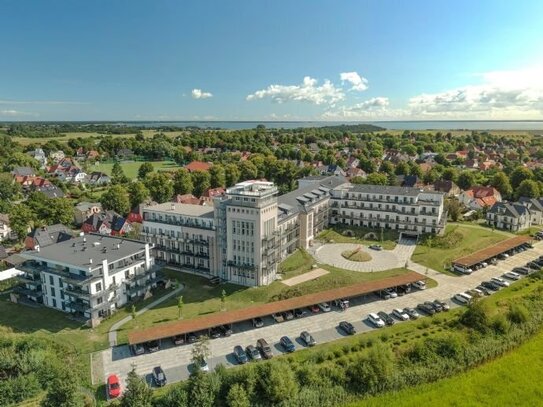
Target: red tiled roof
x,y
169,330
198,166
491,251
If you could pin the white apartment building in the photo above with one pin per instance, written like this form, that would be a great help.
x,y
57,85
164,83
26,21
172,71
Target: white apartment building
x,y
89,276
249,230
409,210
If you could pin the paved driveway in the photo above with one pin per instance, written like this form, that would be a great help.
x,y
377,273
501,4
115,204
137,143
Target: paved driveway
x,y
330,253
323,326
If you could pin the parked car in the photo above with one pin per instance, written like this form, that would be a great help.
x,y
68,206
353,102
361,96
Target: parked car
x,y
315,309
491,285
325,307
533,266
384,295
436,307
191,338
511,275
463,298
500,281
299,313
215,332
443,304
347,327
462,269
240,355
376,320
159,377
264,348
377,247
386,318
485,290
152,346
137,349
426,309
288,315
307,338
400,314
476,293
522,270
412,312
421,285
503,256
393,294
253,353
202,365
113,386
287,344
403,289
258,322
178,340
341,303
226,330
278,317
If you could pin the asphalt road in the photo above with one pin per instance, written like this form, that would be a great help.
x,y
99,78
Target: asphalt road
x,y
323,326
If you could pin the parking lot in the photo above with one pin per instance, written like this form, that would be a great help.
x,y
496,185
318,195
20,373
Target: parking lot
x,y
323,326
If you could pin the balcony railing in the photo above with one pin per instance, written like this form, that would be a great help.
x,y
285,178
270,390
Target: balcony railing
x,y
70,278
190,224
80,293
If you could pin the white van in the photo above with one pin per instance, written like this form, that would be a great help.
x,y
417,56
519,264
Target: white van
x,y
462,269
463,298
376,320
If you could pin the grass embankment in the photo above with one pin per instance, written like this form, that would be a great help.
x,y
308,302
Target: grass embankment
x,y
356,255
336,234
201,299
131,168
437,252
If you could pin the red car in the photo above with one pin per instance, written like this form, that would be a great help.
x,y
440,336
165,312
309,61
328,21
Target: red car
x,y
315,308
113,386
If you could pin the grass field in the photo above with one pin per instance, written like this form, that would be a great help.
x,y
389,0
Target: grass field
x,y
335,233
459,240
131,168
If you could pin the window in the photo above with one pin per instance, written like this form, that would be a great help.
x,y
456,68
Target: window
x,y
51,280
53,293
98,287
54,303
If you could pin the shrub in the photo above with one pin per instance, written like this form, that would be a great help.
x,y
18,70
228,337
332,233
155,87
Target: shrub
x,y
500,324
518,314
476,317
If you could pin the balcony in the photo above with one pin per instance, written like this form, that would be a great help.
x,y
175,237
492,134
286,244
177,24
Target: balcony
x,y
240,266
186,223
30,279
70,278
80,293
28,292
78,306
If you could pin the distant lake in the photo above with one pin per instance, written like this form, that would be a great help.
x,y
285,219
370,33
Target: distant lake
x,y
391,125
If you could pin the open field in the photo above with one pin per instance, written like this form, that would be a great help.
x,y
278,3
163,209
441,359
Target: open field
x,y
130,168
459,240
335,233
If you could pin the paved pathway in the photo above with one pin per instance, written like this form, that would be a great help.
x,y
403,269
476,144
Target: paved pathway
x,y
302,278
115,327
330,253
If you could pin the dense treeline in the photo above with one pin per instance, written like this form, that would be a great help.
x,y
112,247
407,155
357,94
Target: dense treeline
x,y
340,374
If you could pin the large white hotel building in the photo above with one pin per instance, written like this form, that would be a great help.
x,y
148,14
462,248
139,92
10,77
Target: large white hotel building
x,y
244,235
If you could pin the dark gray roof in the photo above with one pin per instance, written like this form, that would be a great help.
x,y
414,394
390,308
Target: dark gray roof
x,y
80,250
532,203
48,235
3,252
51,191
201,211
23,171
514,209
385,190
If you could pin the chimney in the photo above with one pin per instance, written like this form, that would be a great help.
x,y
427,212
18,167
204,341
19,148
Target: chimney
x,y
37,247
90,261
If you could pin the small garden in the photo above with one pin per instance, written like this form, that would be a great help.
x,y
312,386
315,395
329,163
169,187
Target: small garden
x,y
356,255
356,234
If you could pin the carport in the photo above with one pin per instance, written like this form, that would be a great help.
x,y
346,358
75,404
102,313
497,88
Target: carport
x,y
170,330
492,251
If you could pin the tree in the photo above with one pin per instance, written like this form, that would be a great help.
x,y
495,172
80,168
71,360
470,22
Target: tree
x,y
21,218
182,182
137,392
137,193
133,312
370,373
117,174
528,188
201,181
61,210
176,397
8,189
63,391
200,351
450,174
520,174
377,179
200,390
116,199
277,383
501,182
145,168
180,307
231,174
217,174
476,316
223,300
466,180
454,209
160,186
358,180
247,170
402,168
237,396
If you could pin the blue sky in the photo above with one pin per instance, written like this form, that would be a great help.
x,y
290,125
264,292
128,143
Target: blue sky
x,y
247,60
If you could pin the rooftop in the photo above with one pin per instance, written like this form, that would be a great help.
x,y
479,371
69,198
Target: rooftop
x,y
202,211
253,188
384,190
79,251
492,251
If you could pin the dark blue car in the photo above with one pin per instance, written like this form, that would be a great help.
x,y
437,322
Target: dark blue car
x,y
287,344
240,355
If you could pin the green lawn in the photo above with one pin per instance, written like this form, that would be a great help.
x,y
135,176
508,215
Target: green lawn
x,y
459,240
335,233
130,168
297,263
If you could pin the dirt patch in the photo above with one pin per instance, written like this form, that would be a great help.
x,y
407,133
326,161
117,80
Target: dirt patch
x,y
302,278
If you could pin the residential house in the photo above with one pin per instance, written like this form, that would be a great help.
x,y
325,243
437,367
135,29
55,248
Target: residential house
x,y
210,194
449,188
84,210
50,191
5,230
331,169
188,199
46,236
57,156
23,172
97,178
355,172
352,162
198,166
511,216
410,181
478,198
39,155
106,223
535,206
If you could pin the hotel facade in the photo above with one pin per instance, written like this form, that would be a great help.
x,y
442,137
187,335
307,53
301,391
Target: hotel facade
x,y
246,233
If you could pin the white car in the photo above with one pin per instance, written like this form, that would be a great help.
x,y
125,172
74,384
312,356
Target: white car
x,y
512,275
462,269
476,293
484,264
400,314
393,294
500,281
463,298
421,285
325,307
376,320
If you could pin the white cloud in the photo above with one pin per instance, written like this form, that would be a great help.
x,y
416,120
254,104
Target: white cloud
x,y
40,102
358,82
200,94
369,109
13,113
308,91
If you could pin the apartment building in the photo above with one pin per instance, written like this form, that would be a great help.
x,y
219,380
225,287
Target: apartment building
x,y
247,231
89,276
405,209
512,216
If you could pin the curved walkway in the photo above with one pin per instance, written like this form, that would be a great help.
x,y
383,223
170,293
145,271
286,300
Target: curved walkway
x,y
112,334
381,260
